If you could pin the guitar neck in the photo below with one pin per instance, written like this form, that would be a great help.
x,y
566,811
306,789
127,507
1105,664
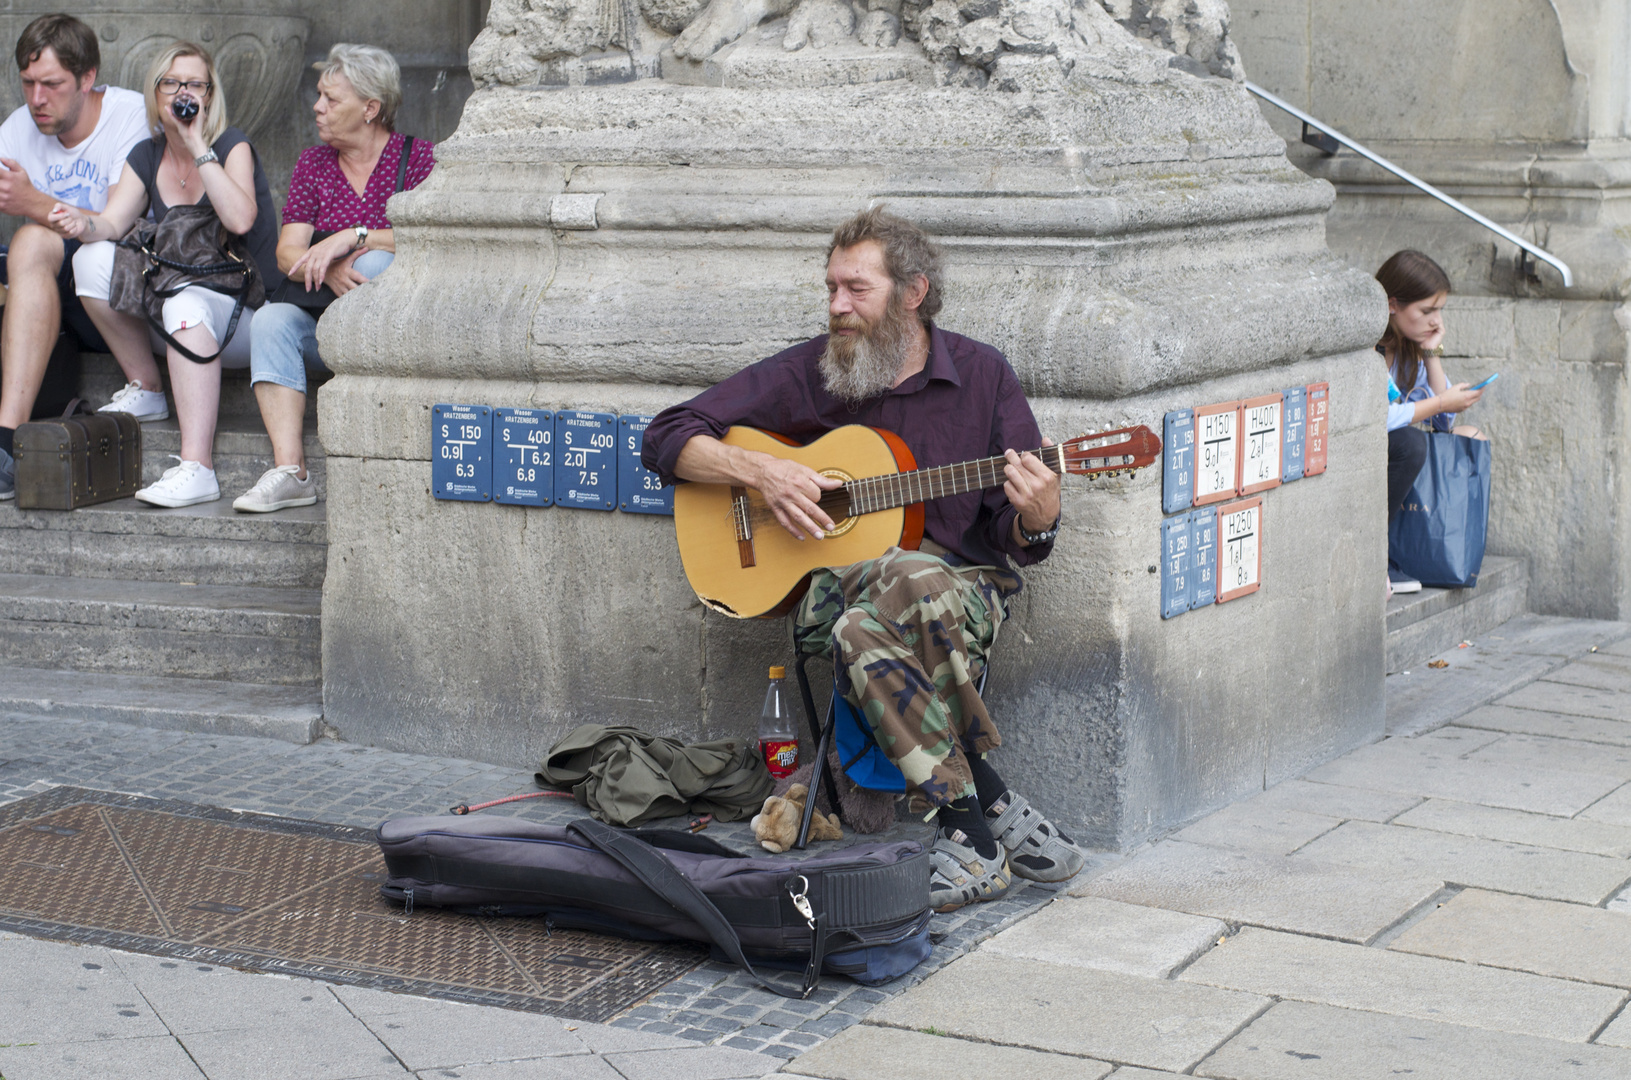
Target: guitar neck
x,y
871,494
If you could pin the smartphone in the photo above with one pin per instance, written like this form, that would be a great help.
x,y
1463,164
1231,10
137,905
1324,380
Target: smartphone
x,y
1486,382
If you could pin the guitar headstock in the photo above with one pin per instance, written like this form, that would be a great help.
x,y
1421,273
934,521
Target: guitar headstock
x,y
1124,449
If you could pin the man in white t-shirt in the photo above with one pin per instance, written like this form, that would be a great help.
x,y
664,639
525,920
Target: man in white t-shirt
x,y
66,144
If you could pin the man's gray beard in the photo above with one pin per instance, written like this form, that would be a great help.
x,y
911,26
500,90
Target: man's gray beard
x,y
854,369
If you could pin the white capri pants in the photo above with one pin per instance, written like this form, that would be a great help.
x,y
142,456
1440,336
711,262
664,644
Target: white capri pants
x,y
192,306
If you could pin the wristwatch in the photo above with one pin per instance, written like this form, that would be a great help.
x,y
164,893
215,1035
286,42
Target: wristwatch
x,y
1042,537
362,237
204,159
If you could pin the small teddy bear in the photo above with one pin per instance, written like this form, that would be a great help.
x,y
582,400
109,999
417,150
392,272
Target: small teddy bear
x,y
777,825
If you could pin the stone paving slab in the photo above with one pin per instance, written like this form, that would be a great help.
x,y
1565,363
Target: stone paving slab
x,y
232,1025
149,1058
1302,968
1613,808
1335,800
323,1051
197,998
1299,1041
696,1063
1516,653
1616,648
1517,827
875,1053
427,1034
1566,941
1111,936
1295,893
574,1068
1619,1032
1539,751
1130,1072
1577,700
1253,826
51,996
1470,860
1555,635
1589,729
1423,698
1436,765
1598,671
1099,1014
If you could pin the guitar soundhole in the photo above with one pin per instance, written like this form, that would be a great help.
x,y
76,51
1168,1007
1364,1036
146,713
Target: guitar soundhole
x,y
836,503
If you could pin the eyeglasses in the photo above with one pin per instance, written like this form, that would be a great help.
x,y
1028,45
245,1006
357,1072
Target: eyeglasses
x,y
172,86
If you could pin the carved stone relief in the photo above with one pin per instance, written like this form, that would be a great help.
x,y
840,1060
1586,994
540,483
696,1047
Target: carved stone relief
x,y
1003,44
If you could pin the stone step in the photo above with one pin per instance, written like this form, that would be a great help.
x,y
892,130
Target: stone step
x,y
100,378
230,632
1422,625
208,544
243,451
291,713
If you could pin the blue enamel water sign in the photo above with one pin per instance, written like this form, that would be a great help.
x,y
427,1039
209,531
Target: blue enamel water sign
x,y
1203,556
1296,420
585,460
1175,566
1178,461
523,457
639,490
461,452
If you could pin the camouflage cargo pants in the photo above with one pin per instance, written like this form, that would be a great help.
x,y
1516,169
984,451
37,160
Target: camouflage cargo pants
x,y
908,635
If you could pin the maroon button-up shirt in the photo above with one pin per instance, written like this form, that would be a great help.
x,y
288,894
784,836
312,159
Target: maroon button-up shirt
x,y
965,404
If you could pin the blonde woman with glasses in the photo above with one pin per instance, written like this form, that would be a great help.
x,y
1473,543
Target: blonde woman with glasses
x,y
193,158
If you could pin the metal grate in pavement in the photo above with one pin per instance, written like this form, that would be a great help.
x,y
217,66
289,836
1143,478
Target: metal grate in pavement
x,y
297,897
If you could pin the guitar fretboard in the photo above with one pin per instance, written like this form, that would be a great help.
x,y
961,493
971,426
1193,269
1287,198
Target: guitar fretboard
x,y
873,493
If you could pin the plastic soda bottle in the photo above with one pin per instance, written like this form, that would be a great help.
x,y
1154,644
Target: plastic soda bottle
x,y
777,740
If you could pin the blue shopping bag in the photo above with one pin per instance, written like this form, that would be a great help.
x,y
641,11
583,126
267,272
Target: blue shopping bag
x,y
1438,537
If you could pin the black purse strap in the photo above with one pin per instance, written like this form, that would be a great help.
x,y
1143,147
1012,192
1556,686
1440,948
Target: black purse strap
x,y
232,323
402,163
664,878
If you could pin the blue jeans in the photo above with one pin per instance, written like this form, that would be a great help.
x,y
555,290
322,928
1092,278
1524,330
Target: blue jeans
x,y
283,341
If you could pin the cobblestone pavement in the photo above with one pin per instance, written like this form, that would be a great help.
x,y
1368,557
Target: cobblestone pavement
x,y
1453,901
713,1020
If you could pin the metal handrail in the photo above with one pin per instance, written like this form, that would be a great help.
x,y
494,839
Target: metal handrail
x,y
1310,122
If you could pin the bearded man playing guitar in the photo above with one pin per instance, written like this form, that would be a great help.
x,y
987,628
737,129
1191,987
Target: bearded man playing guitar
x,y
908,631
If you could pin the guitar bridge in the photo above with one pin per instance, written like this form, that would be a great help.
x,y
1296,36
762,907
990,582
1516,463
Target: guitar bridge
x,y
744,527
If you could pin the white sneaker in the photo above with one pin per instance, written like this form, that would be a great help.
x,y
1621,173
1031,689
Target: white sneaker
x,y
186,484
144,405
277,489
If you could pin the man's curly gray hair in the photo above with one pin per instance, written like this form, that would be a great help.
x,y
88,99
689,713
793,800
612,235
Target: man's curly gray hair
x,y
907,252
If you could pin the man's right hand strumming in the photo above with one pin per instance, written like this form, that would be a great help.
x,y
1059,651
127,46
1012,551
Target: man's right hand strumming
x,y
789,488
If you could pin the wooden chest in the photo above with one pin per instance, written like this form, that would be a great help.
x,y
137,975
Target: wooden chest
x,y
78,460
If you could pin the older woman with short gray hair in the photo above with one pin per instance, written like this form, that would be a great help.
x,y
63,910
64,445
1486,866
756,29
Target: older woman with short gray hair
x,y
335,237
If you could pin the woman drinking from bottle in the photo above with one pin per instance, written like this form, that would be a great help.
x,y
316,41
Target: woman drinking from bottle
x,y
193,158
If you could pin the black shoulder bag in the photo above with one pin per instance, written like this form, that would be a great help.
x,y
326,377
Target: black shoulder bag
x,y
294,292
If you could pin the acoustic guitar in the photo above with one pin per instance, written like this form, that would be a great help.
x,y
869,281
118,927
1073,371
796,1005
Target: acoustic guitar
x,y
742,563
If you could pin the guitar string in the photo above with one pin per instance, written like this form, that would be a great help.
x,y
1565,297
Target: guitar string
x,y
870,494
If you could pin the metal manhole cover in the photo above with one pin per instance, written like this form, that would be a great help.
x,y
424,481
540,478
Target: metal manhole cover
x,y
296,897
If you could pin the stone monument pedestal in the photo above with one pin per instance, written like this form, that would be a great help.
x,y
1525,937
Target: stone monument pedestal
x,y
1129,234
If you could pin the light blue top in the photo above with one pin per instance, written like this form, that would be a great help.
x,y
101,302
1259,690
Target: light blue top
x,y
1403,413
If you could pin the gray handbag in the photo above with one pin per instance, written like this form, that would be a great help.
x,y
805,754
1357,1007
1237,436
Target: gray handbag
x,y
154,262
